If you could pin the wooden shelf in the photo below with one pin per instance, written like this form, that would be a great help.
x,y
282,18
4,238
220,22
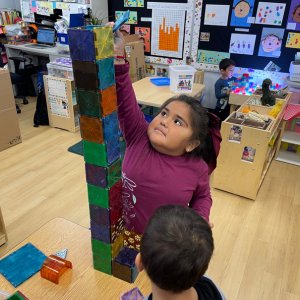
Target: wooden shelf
x,y
2,238
289,157
291,137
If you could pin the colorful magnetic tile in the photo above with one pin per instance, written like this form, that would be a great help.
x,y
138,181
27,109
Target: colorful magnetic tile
x,y
54,267
106,72
100,215
85,75
104,43
108,100
132,240
89,103
22,264
110,125
91,129
103,197
102,154
134,294
126,257
101,249
82,46
102,264
117,229
124,273
117,246
100,232
62,253
17,296
103,177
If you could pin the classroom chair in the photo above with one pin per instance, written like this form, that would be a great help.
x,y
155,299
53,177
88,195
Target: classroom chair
x,y
199,78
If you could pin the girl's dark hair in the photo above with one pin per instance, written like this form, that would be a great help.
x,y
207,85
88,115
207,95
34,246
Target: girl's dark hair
x,y
176,247
201,125
295,9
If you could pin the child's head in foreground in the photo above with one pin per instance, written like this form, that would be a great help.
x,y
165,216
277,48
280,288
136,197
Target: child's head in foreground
x,y
226,67
176,248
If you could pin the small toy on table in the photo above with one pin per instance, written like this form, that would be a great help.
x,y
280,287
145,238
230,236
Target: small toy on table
x,y
267,98
134,294
17,296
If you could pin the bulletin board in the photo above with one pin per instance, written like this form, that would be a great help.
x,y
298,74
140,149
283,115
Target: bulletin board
x,y
220,37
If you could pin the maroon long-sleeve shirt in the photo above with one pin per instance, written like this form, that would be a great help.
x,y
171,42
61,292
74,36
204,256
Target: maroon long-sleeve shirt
x,y
150,178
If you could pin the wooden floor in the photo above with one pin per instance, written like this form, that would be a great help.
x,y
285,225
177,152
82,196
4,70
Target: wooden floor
x,y
257,243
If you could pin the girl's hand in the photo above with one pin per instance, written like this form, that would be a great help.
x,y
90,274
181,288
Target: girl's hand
x,y
119,42
211,225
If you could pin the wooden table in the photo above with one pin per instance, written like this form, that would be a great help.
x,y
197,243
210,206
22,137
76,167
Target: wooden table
x,y
81,282
149,94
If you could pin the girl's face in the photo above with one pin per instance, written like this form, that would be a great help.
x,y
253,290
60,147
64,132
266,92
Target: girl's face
x,y
170,132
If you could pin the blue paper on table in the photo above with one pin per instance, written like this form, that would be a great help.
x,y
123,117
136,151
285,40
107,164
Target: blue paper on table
x,y
160,81
22,264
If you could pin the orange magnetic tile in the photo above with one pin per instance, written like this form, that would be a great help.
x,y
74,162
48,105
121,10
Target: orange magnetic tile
x,y
91,129
108,100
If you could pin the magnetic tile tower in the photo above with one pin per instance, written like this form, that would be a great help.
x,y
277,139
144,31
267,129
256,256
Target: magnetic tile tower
x,y
92,53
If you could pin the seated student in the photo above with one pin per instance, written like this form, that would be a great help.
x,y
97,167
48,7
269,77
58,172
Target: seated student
x,y
223,88
176,249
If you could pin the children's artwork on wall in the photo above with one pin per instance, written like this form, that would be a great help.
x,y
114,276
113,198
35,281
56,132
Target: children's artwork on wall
x,y
125,28
235,134
269,13
162,71
150,70
216,15
132,19
211,57
293,40
270,44
204,37
242,43
144,36
272,67
249,154
293,22
134,3
241,10
167,32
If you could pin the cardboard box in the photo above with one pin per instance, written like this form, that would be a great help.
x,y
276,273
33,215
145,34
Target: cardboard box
x,y
9,124
134,51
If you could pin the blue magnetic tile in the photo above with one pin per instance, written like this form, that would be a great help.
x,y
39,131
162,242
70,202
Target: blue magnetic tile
x,y
110,126
100,232
126,257
92,26
134,273
82,46
106,72
113,149
100,215
22,264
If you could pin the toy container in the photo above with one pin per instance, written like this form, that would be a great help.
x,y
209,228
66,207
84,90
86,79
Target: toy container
x,y
181,79
60,71
63,48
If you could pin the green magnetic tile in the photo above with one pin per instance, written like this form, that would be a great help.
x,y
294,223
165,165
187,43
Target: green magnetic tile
x,y
95,153
114,172
102,268
98,196
101,249
89,103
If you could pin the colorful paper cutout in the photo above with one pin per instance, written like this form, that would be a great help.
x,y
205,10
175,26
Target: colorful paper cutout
x,y
270,43
293,22
216,15
134,3
132,19
241,11
269,13
211,57
293,40
242,43
125,28
204,37
144,36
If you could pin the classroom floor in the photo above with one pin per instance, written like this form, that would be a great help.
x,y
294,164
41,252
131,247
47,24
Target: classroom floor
x,y
257,243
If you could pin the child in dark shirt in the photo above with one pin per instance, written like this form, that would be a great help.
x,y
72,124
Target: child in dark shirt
x,y
223,88
176,249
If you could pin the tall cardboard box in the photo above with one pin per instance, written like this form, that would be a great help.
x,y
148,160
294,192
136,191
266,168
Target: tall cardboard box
x,y
134,51
10,134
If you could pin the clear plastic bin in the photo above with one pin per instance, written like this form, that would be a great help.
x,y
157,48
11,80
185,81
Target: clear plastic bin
x,y
181,79
63,48
59,71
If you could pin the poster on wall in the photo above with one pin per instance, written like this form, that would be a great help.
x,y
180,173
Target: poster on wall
x,y
293,40
293,22
144,35
269,13
132,19
242,43
242,9
204,37
270,44
216,15
134,3
211,57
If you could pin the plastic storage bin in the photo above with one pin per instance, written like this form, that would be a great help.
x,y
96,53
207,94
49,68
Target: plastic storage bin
x,y
63,38
181,79
63,48
60,71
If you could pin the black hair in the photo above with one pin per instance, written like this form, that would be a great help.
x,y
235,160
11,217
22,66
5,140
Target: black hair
x,y
294,11
176,247
271,34
243,1
201,124
141,38
226,63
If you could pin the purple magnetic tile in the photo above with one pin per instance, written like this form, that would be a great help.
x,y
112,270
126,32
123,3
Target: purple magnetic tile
x,y
126,257
100,215
134,294
100,232
96,175
63,61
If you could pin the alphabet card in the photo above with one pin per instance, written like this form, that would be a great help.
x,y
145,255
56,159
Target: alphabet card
x,y
242,43
216,15
241,10
293,40
270,13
